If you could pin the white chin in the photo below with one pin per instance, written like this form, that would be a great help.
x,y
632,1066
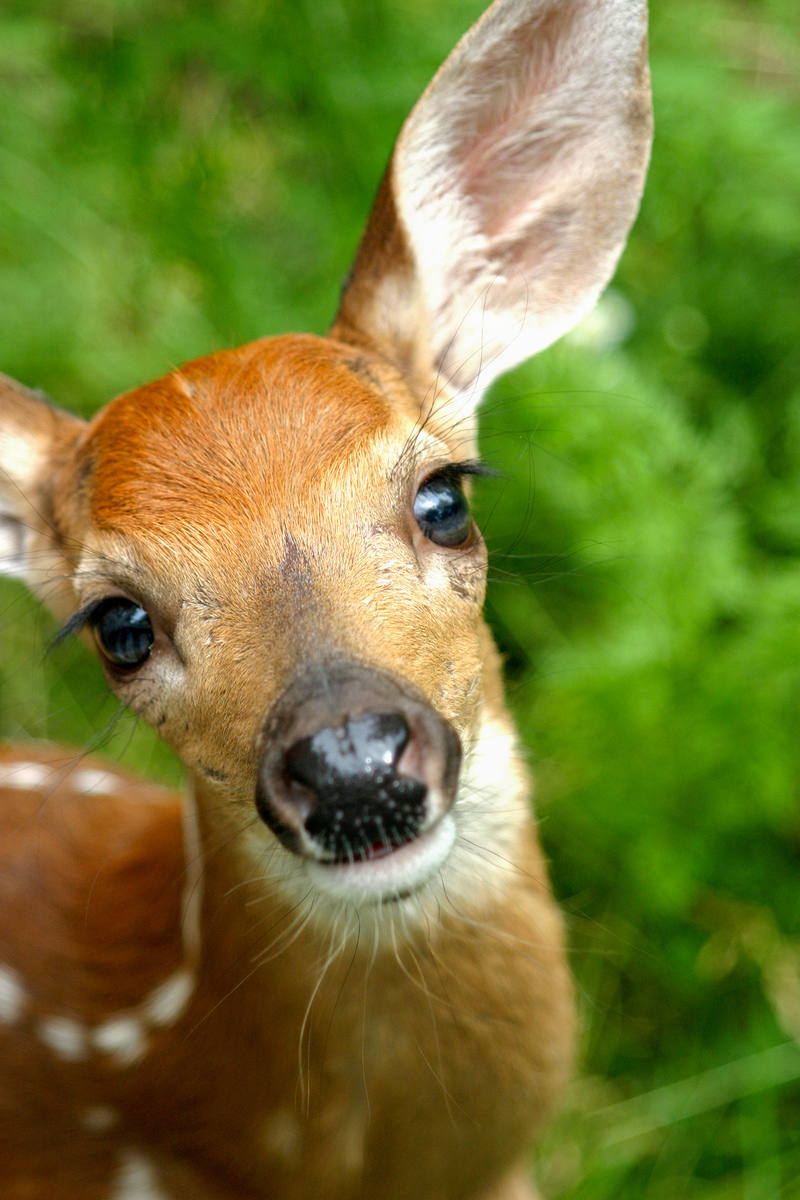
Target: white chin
x,y
392,876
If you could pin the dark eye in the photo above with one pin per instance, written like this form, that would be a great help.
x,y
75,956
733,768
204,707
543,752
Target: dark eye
x,y
124,632
442,512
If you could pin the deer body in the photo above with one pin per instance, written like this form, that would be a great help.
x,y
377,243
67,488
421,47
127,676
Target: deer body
x,y
334,967
385,1061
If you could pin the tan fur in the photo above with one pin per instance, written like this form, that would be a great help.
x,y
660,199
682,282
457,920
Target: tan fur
x,y
182,1012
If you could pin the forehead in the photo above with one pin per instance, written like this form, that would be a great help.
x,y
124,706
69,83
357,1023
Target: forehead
x,y
237,433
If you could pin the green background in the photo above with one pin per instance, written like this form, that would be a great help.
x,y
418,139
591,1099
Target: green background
x,y
176,177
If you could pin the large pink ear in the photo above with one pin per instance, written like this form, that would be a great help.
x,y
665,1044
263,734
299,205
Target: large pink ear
x,y
509,195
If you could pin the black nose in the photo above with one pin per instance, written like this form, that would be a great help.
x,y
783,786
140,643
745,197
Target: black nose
x,y
354,763
362,805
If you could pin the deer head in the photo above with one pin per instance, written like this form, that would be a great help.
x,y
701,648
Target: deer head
x,y
271,547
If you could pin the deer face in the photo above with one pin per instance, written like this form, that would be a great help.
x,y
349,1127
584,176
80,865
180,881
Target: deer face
x,y
274,558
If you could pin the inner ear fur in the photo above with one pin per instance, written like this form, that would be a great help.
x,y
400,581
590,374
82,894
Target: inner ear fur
x,y
509,195
36,440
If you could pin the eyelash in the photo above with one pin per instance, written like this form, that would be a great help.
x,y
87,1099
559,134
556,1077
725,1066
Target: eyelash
x,y
457,471
76,622
83,617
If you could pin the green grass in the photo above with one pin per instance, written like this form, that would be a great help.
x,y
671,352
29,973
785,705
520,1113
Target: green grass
x,y
176,177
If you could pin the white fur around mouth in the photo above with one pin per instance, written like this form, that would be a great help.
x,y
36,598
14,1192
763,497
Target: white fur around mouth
x,y
391,875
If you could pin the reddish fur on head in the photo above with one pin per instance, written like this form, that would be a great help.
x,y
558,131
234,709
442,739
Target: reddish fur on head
x,y
224,439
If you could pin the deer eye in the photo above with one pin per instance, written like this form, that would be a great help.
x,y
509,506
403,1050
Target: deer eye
x,y
124,631
442,512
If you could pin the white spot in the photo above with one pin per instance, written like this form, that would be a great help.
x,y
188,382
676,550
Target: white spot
x,y
12,996
168,1002
136,1180
27,776
90,779
123,1038
99,1119
65,1037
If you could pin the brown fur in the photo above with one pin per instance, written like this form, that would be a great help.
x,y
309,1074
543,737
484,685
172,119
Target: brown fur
x,y
76,925
182,1010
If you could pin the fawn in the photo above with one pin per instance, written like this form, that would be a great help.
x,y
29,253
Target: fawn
x,y
334,967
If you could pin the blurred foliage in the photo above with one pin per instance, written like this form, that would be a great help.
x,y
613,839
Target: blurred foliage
x,y
179,176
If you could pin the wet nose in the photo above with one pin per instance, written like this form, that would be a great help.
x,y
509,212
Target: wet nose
x,y
361,804
354,763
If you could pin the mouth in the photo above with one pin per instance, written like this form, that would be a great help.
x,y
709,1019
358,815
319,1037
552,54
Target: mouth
x,y
385,871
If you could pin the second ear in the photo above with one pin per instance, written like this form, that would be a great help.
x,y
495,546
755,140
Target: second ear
x,y
34,438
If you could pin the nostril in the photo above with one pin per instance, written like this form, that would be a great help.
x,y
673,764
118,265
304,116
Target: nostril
x,y
361,805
